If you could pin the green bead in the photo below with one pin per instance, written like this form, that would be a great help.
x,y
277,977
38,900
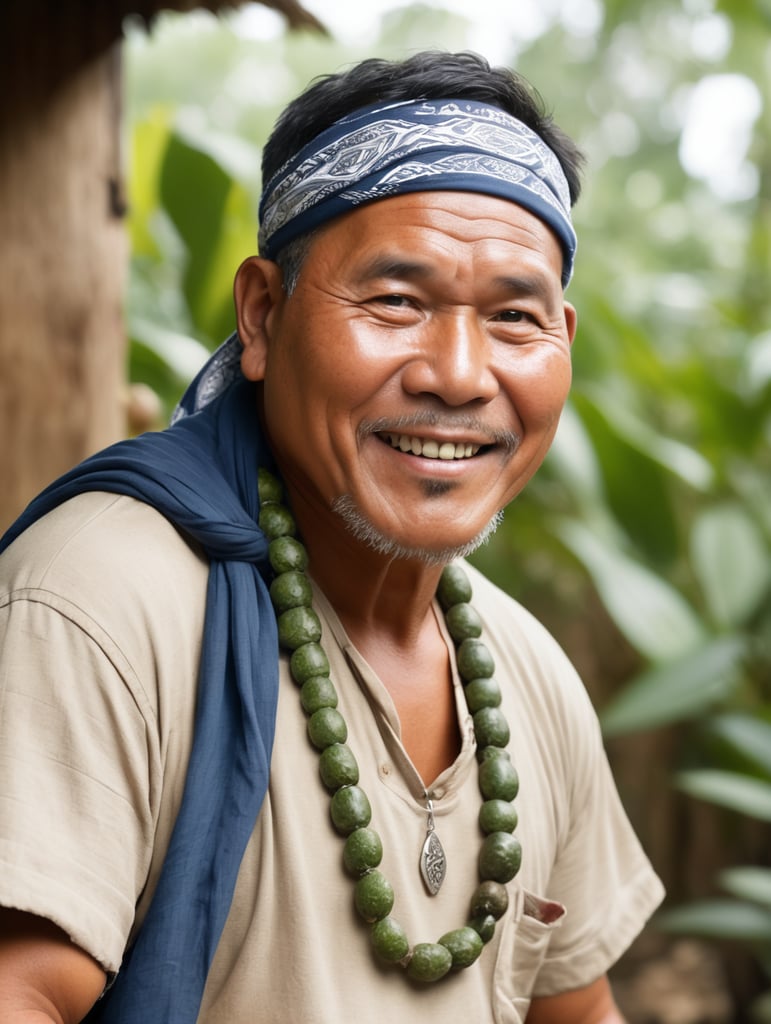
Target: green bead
x,y
325,727
362,852
474,660
491,728
338,767
276,521
484,926
290,590
498,779
429,962
454,587
287,554
373,896
350,809
390,940
497,816
482,693
500,857
318,692
269,487
298,626
308,660
490,898
464,945
463,622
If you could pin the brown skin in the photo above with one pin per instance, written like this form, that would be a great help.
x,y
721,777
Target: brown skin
x,y
442,308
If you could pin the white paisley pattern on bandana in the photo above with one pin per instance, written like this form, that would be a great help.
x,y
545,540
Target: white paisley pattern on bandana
x,y
381,151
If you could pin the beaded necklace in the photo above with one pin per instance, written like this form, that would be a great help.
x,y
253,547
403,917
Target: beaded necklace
x,y
299,633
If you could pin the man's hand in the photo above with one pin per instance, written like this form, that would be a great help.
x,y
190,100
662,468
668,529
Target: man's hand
x,y
591,1005
43,976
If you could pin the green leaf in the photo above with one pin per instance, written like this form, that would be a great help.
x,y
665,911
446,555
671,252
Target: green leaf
x,y
732,562
718,919
653,616
749,883
737,792
676,690
749,735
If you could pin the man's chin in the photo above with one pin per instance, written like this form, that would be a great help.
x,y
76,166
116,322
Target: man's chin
x,y
364,531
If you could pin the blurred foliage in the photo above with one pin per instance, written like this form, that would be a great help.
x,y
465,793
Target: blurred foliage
x,y
657,492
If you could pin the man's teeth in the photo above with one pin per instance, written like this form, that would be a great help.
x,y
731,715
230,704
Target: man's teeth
x,y
432,449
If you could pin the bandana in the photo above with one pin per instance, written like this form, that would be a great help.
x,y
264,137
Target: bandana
x,y
439,145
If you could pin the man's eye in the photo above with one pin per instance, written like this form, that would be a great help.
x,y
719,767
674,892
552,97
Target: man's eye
x,y
395,300
512,316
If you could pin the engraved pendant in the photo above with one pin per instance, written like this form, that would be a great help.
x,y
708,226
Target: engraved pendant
x,y
433,862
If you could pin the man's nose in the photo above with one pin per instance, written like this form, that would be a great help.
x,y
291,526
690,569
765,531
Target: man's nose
x,y
454,361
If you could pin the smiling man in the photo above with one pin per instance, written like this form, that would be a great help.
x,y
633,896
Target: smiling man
x,y
269,748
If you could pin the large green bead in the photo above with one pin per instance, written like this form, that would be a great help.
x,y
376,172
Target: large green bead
x,y
500,857
430,961
298,626
308,660
269,487
454,587
491,728
363,851
490,898
318,692
482,693
498,779
463,622
390,940
325,727
373,896
276,521
464,945
474,660
287,554
338,767
350,809
290,590
498,816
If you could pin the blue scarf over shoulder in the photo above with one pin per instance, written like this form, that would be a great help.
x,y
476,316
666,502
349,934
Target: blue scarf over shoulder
x,y
201,474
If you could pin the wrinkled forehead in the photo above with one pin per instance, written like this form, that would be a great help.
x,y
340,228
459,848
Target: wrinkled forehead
x,y
440,145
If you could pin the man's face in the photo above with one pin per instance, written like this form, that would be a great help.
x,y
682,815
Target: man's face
x,y
417,373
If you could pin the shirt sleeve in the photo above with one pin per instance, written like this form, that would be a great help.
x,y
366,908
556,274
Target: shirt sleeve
x,y
76,822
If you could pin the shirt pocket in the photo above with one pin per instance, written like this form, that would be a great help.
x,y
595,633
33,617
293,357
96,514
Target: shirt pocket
x,y
528,928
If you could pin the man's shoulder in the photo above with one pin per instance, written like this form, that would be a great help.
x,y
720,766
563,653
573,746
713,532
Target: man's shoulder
x,y
98,547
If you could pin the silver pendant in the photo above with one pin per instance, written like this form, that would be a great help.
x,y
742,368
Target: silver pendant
x,y
433,862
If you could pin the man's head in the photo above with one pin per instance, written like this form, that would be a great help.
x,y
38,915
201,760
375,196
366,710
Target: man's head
x,y
427,76
415,374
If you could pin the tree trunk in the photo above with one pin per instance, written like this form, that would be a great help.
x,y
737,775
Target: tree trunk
x,y
63,255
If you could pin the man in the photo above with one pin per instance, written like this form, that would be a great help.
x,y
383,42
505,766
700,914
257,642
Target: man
x,y
404,349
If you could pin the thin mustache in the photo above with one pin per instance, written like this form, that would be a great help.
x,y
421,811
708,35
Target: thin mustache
x,y
452,423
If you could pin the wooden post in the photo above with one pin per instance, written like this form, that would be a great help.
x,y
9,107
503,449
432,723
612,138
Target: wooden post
x,y
63,253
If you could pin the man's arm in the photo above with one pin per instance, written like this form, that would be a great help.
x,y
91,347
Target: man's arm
x,y
44,977
591,1005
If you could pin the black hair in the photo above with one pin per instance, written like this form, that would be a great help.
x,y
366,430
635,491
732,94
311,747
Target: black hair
x,y
431,74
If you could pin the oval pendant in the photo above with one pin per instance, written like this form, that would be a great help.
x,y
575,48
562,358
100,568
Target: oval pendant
x,y
433,863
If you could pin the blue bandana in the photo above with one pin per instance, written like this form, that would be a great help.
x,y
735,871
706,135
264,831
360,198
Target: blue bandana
x,y
201,474
445,145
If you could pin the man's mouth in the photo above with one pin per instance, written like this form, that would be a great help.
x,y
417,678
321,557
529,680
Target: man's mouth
x,y
430,449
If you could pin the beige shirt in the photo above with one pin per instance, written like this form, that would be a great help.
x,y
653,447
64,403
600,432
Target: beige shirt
x,y
101,614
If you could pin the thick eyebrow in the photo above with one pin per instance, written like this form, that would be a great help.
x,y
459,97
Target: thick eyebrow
x,y
393,267
535,286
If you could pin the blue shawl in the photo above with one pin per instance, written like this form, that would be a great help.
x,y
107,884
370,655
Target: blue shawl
x,y
201,474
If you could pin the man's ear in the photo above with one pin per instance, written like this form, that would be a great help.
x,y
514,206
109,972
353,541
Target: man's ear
x,y
571,321
258,293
